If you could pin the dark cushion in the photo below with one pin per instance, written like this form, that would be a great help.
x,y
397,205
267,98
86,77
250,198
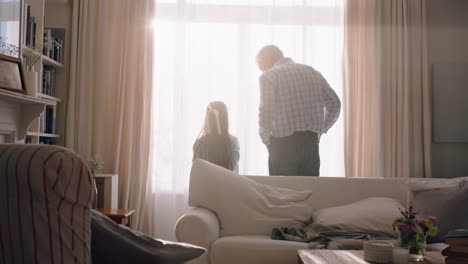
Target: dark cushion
x,y
448,205
113,243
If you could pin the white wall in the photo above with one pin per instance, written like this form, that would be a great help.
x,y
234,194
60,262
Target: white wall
x,y
448,42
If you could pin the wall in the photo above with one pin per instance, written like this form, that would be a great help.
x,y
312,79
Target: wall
x,y
448,42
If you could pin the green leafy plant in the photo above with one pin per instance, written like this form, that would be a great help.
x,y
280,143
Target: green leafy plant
x,y
96,164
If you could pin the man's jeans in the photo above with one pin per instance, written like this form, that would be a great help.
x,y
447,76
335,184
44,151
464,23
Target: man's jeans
x,y
295,155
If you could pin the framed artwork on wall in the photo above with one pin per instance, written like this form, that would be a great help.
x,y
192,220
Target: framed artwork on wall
x,y
11,74
10,27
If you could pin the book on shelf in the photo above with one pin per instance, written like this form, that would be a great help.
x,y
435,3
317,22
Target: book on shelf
x,y
30,28
48,120
48,80
450,252
47,141
457,237
458,248
451,260
26,28
54,43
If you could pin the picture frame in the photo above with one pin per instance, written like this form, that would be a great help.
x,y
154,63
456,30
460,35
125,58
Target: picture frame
x,y
11,74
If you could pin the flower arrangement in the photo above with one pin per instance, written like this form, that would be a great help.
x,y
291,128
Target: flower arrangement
x,y
413,229
31,56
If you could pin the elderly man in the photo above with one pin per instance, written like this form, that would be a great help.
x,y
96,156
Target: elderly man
x,y
297,105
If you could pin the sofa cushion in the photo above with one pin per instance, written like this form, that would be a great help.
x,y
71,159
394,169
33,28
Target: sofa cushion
x,y
254,249
243,206
448,205
372,215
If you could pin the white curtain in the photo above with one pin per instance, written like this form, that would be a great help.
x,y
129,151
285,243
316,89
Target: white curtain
x,y
386,90
205,51
109,101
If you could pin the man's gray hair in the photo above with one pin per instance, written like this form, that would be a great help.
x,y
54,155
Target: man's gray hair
x,y
269,52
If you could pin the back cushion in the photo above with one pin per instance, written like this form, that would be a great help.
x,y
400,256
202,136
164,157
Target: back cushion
x,y
448,205
45,196
243,206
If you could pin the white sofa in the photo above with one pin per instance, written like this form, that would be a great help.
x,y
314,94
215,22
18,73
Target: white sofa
x,y
201,226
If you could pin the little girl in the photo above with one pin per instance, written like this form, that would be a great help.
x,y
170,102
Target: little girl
x,y
215,144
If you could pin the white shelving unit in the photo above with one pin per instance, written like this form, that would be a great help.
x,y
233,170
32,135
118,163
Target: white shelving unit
x,y
16,113
50,14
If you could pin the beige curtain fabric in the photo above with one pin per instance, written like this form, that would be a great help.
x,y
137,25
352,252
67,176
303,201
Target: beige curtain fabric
x,y
386,91
109,106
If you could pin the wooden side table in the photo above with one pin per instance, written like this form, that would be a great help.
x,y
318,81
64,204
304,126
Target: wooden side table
x,y
120,216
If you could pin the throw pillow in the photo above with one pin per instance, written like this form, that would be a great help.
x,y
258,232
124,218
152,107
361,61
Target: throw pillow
x,y
113,243
448,205
371,215
243,206
426,184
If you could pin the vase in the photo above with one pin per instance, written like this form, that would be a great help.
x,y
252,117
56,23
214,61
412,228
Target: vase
x,y
95,193
30,79
416,244
417,248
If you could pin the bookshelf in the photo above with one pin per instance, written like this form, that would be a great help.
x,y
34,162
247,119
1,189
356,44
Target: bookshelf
x,y
45,51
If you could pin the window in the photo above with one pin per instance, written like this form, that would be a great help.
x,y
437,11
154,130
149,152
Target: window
x,y
205,51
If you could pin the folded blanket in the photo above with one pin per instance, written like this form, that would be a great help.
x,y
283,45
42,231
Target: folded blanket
x,y
320,236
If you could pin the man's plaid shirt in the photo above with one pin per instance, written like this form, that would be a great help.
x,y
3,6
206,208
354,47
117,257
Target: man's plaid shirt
x,y
295,97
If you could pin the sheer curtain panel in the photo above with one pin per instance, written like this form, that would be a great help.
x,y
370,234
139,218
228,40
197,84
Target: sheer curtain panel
x,y
205,51
109,105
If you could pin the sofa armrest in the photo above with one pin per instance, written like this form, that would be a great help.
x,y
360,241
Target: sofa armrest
x,y
199,226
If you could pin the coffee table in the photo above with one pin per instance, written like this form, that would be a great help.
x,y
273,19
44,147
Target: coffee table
x,y
323,256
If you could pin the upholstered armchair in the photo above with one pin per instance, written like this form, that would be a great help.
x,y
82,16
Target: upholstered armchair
x,y
45,201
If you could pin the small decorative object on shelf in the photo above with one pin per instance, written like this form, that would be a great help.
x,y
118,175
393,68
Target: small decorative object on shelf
x,y
31,75
95,166
11,74
413,230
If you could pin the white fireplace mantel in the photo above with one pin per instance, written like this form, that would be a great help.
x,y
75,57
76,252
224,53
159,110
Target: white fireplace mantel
x,y
17,111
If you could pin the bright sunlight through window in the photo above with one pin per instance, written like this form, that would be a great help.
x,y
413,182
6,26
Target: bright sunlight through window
x,y
205,51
